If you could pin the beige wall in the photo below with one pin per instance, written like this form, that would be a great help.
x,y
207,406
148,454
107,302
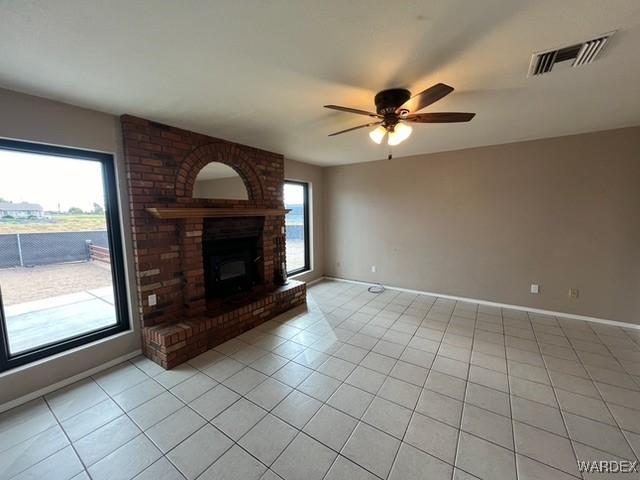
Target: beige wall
x,y
25,117
314,176
487,222
229,187
636,294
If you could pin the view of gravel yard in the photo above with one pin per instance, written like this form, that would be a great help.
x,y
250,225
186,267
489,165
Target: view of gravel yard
x,y
27,284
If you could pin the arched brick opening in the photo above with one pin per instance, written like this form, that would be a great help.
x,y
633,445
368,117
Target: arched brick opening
x,y
218,152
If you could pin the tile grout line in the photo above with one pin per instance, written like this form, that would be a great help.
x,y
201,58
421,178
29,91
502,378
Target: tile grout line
x,y
360,420
506,363
207,422
388,375
59,422
538,349
471,433
413,410
62,429
633,379
406,428
142,431
553,385
536,382
300,430
555,395
464,398
606,404
439,421
84,467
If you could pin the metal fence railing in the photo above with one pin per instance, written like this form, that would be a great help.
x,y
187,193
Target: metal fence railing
x,y
28,249
99,254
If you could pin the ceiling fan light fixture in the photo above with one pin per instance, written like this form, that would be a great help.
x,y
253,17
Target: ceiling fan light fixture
x,y
396,106
399,134
377,134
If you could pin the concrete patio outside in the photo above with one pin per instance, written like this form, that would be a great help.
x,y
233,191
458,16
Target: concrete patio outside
x,y
47,304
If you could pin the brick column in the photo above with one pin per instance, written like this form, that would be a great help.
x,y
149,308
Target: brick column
x,y
193,294
162,164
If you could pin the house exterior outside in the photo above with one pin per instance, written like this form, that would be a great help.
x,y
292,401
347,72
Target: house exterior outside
x,y
20,210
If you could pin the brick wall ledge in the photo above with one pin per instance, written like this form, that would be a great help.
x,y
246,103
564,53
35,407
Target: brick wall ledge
x,y
170,344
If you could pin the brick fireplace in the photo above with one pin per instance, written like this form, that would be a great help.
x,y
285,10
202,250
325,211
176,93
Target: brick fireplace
x,y
213,265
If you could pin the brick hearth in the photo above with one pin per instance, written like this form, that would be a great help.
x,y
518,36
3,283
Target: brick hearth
x,y
162,164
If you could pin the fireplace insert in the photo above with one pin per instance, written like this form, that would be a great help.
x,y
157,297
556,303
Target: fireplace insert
x,y
230,266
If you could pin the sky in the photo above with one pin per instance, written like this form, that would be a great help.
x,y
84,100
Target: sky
x,y
293,194
53,182
59,183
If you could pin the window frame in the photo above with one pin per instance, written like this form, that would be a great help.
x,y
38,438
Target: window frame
x,y
118,270
307,238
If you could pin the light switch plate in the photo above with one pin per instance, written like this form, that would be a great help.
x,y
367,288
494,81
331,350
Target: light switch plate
x,y
535,288
153,300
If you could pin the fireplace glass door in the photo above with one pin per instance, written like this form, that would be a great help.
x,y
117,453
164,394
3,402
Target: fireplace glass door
x,y
230,265
232,269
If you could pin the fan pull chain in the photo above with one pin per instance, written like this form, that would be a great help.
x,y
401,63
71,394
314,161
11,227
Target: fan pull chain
x,y
390,156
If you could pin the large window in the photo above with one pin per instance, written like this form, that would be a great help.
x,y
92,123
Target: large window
x,y
296,198
61,266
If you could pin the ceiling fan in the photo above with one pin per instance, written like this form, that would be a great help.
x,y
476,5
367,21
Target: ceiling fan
x,y
396,107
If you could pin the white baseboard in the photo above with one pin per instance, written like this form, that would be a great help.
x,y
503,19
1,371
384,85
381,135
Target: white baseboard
x,y
67,381
312,282
572,316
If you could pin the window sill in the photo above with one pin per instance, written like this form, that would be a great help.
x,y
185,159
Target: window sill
x,y
296,273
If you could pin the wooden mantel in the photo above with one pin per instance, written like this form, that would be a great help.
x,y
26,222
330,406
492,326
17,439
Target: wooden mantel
x,y
202,212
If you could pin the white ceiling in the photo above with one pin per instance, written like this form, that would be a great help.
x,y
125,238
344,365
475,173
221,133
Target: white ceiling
x,y
259,71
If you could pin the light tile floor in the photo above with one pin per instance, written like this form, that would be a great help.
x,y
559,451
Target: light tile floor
x,y
361,386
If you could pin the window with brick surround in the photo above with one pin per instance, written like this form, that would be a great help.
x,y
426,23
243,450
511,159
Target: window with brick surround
x,y
62,274
296,199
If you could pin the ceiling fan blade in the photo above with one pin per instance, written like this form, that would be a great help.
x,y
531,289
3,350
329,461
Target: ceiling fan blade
x,y
440,117
354,128
426,98
352,110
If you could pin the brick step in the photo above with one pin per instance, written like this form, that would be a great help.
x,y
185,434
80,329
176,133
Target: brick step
x,y
171,344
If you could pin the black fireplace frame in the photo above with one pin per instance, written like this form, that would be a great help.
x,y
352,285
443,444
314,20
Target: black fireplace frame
x,y
218,252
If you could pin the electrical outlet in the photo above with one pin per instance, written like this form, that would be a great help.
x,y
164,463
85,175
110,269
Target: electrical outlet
x,y
153,300
373,269
535,288
574,293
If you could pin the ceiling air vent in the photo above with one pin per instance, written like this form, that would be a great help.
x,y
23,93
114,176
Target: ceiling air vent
x,y
573,55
